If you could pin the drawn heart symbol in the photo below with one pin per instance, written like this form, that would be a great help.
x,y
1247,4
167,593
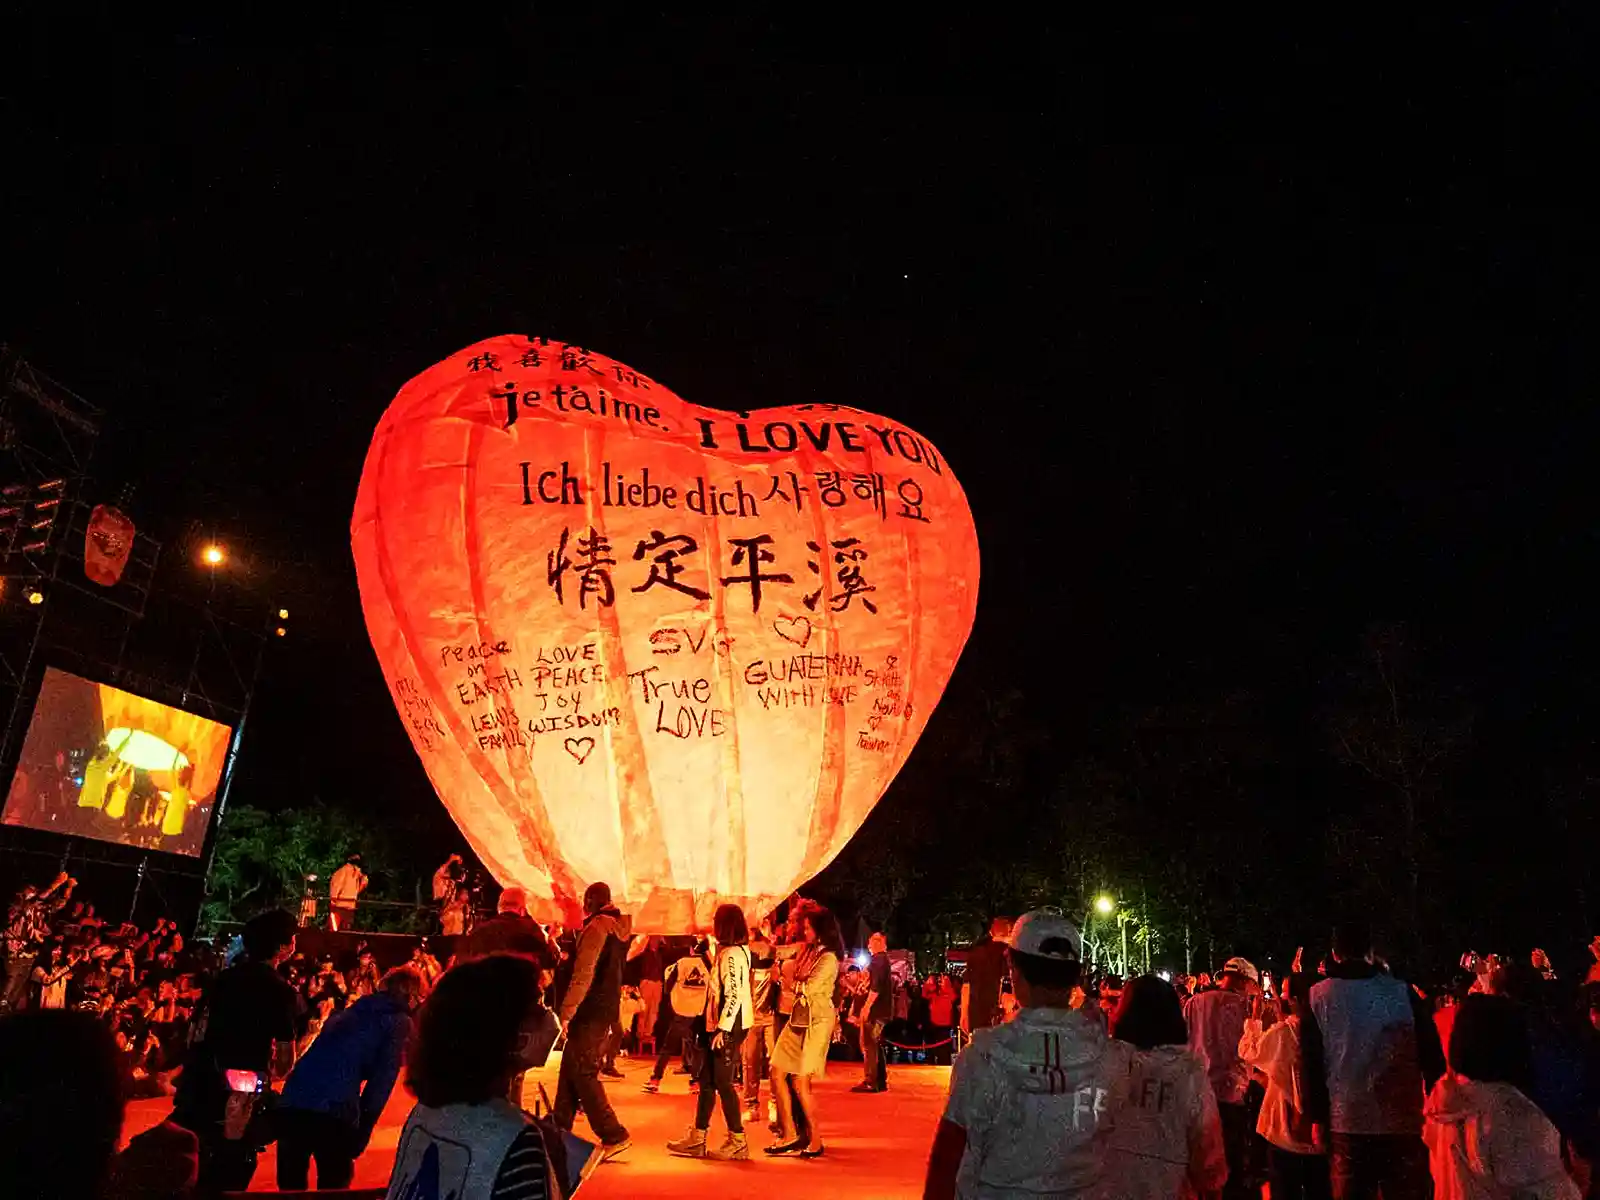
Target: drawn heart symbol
x,y
560,559
793,629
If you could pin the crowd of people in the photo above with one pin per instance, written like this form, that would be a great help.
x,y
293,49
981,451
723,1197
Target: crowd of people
x,y
142,984
1344,1081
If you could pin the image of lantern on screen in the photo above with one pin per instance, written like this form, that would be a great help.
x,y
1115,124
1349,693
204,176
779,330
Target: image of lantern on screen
x,y
95,791
126,793
99,762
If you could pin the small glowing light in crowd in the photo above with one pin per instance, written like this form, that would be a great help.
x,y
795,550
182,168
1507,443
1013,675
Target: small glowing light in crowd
x,y
1166,975
213,555
862,958
283,614
36,597
1104,905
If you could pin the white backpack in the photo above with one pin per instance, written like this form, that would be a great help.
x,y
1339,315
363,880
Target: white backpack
x,y
689,988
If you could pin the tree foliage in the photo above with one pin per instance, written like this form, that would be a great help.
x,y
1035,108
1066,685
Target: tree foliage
x,y
263,859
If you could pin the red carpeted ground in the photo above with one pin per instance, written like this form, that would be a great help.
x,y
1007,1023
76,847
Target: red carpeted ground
x,y
877,1144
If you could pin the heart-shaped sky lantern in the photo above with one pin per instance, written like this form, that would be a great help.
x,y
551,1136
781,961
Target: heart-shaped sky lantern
x,y
676,649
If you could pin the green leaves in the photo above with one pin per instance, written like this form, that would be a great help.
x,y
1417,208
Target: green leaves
x,y
263,859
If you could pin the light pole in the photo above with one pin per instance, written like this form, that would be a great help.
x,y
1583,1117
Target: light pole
x,y
1104,905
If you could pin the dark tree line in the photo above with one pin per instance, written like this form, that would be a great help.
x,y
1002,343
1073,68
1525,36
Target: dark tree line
x,y
1243,822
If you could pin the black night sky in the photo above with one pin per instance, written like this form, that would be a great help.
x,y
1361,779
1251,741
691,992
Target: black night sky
x,y
1241,340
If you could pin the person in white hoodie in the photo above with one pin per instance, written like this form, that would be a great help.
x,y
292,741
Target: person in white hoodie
x,y
1486,1140
1166,1140
1296,1166
1029,1100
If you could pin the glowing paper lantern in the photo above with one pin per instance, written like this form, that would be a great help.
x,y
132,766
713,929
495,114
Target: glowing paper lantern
x,y
636,640
107,542
165,741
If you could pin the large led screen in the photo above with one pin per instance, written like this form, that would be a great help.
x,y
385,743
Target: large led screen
x,y
102,763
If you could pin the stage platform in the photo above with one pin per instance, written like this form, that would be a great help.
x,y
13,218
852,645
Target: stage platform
x,y
877,1144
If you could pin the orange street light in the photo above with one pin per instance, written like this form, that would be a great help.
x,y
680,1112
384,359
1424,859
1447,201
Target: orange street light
x,y
36,597
213,555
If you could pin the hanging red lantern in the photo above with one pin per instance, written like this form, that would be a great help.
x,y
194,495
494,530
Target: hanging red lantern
x,y
106,545
677,649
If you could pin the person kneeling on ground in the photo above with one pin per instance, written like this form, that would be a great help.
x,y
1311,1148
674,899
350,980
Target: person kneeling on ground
x,y
1028,1098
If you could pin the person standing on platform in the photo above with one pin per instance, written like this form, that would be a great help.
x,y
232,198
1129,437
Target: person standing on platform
x,y
986,972
344,889
589,1008
875,1015
446,883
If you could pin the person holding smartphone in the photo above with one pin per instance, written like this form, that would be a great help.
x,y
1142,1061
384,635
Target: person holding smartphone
x,y
244,1014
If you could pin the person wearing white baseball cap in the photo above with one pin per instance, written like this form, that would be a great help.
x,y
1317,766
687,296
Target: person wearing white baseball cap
x,y
1028,1106
1216,1024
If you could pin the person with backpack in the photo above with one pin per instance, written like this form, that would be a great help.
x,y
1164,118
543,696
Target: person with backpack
x,y
464,1138
727,1019
685,984
1033,1101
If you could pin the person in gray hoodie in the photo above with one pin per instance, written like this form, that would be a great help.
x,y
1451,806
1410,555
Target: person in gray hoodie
x,y
1029,1100
591,1006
